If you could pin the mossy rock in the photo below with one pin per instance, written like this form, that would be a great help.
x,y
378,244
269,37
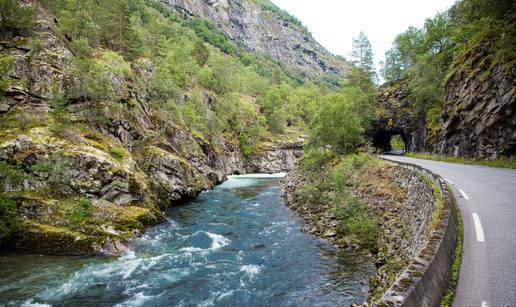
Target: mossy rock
x,y
48,239
127,218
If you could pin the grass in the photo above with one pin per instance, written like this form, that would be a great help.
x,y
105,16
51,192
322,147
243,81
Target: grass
x,y
438,200
77,210
448,297
500,162
117,152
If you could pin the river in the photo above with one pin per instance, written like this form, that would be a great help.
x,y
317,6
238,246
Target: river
x,y
236,245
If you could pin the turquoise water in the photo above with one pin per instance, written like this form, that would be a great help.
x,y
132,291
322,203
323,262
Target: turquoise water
x,y
236,245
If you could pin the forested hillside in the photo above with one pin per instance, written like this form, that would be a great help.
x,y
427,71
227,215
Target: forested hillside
x,y
112,111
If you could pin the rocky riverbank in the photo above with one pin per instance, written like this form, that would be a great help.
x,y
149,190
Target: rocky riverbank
x,y
400,199
76,199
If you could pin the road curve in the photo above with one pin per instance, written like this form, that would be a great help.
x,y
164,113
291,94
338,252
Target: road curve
x,y
487,200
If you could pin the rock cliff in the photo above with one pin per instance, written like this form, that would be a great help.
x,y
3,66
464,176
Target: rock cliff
x,y
393,103
479,116
256,26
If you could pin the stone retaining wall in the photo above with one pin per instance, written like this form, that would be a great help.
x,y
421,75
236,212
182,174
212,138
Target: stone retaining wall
x,y
425,280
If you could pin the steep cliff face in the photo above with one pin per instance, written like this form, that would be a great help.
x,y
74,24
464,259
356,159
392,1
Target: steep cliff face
x,y
275,157
258,29
479,116
85,176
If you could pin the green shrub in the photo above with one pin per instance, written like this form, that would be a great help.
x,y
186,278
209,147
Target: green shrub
x,y
5,66
249,139
117,152
10,174
44,167
330,181
60,112
315,158
15,19
351,166
277,122
76,210
201,53
123,185
337,125
312,194
212,35
9,219
356,222
56,170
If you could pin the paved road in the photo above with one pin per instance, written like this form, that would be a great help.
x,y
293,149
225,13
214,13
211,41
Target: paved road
x,y
487,201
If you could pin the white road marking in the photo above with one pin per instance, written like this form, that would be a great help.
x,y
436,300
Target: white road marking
x,y
464,194
484,304
478,228
448,180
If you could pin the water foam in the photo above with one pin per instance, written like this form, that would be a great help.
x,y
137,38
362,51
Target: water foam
x,y
251,270
218,241
30,303
139,299
275,175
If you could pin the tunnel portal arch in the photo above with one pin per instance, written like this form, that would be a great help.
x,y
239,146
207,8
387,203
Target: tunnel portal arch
x,y
382,138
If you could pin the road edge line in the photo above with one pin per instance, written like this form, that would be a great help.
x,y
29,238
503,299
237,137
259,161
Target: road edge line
x,y
479,230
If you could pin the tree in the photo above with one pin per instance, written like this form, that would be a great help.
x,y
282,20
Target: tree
x,y
391,69
362,55
14,18
406,49
115,30
273,104
337,125
201,53
9,219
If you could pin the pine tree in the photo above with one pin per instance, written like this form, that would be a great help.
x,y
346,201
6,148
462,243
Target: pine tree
x,y
362,55
15,19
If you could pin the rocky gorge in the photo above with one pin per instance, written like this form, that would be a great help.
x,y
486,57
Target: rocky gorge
x,y
87,181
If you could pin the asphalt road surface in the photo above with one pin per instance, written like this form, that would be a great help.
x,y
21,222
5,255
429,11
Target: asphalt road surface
x,y
487,200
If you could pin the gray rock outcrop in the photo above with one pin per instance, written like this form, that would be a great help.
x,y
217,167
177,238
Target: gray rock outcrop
x,y
259,30
393,102
479,117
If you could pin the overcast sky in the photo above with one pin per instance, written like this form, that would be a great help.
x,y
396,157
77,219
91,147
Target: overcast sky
x,y
334,23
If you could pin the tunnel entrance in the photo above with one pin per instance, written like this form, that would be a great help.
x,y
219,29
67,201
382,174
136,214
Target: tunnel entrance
x,y
391,138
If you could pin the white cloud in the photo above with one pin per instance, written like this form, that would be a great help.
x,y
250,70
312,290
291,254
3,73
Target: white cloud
x,y
334,23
